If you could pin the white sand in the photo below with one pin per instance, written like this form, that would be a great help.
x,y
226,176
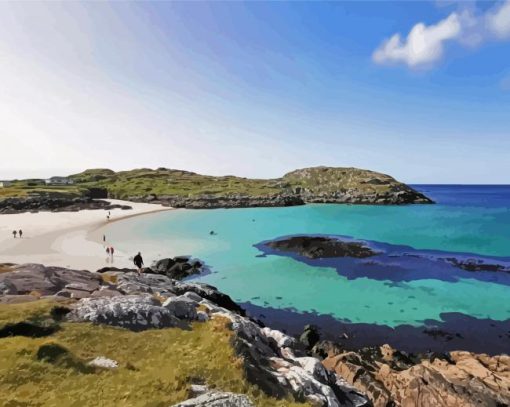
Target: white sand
x,y
67,239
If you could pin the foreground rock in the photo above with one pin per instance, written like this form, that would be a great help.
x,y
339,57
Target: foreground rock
x,y
390,377
61,204
315,247
273,361
177,268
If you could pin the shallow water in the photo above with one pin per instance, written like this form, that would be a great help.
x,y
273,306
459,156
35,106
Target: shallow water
x,y
466,221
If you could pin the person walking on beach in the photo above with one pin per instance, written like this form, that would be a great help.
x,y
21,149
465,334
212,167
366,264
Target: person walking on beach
x,y
20,233
111,252
108,251
104,238
138,262
14,233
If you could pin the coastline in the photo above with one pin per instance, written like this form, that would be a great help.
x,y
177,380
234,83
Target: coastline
x,y
66,239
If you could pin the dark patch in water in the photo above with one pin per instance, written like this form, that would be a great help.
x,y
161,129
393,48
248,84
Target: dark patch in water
x,y
456,331
396,264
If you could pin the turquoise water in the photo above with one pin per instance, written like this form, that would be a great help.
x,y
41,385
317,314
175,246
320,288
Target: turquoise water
x,y
467,219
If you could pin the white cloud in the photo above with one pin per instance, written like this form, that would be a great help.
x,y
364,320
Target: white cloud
x,y
498,20
424,45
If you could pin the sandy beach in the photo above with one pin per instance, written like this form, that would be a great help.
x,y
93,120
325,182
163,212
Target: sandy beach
x,y
66,239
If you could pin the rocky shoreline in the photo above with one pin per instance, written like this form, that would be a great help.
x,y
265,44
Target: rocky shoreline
x,y
276,363
398,196
305,367
47,204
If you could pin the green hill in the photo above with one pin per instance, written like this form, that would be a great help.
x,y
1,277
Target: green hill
x,y
189,189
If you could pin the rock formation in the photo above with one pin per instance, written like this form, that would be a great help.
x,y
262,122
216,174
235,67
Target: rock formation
x,y
272,360
60,204
393,378
315,247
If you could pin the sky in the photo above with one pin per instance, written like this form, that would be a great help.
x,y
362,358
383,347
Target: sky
x,y
417,90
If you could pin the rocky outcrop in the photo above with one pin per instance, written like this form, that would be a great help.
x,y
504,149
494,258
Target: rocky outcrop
x,y
36,278
221,201
390,377
61,204
134,312
314,247
273,361
350,185
177,268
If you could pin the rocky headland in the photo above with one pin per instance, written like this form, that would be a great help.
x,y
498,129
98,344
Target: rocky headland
x,y
184,189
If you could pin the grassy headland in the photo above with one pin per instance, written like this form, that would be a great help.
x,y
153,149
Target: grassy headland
x,y
318,184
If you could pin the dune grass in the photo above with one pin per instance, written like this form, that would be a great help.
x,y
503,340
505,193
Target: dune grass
x,y
156,367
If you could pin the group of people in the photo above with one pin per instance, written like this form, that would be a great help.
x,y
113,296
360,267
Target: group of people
x,y
17,232
109,251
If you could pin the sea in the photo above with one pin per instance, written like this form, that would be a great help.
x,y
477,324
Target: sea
x,y
416,293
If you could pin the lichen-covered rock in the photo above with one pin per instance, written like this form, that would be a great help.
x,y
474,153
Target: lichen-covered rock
x,y
217,399
135,312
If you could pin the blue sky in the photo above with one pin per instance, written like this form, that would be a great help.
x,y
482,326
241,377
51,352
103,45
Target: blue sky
x,y
418,90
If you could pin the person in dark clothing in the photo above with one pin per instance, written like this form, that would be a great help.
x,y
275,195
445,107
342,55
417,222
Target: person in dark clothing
x,y
108,251
14,233
138,262
20,233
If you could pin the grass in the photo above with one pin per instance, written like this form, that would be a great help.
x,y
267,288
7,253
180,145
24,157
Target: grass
x,y
156,367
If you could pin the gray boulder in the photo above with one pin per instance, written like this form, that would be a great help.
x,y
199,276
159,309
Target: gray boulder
x,y
26,278
134,312
182,307
217,399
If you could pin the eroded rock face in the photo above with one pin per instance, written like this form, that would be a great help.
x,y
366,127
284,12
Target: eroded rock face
x,y
217,399
389,377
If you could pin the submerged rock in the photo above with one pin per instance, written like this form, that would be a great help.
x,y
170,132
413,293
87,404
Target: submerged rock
x,y
315,247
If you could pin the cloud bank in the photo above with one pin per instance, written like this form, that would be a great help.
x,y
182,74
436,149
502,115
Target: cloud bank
x,y
425,44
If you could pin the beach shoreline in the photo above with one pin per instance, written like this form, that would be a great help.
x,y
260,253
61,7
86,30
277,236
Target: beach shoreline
x,y
67,239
